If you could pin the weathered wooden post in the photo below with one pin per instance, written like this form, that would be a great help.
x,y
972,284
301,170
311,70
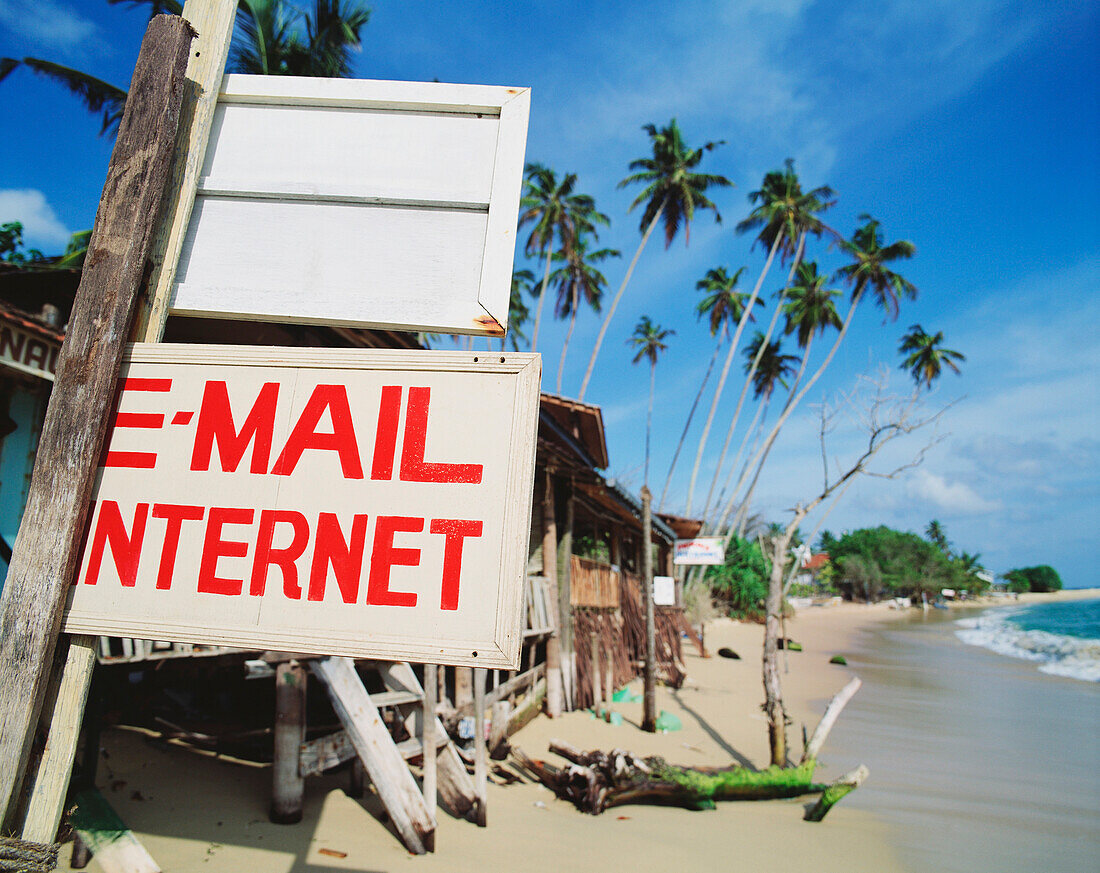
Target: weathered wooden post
x,y
48,545
428,744
565,599
594,654
649,701
287,786
550,571
464,686
481,763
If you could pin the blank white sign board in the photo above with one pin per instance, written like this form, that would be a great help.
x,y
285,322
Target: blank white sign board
x,y
365,503
358,203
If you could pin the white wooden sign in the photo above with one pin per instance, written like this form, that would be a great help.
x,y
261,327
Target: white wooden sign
x,y
358,203
348,502
699,551
664,591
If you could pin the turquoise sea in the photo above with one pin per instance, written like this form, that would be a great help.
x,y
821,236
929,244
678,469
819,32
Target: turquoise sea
x,y
982,735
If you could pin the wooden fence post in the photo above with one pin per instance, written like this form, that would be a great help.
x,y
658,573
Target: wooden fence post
x,y
47,548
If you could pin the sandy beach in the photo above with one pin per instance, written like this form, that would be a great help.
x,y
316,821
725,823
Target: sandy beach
x,y
197,812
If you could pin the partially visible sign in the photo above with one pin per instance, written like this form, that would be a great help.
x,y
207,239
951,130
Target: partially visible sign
x,y
701,550
358,502
358,203
23,351
664,591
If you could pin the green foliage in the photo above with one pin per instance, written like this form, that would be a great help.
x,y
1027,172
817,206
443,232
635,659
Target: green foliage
x,y
1041,579
587,546
873,562
743,580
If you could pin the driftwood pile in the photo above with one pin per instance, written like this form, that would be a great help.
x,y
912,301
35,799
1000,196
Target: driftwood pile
x,y
595,780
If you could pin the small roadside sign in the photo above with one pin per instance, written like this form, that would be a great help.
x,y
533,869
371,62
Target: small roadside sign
x,y
699,551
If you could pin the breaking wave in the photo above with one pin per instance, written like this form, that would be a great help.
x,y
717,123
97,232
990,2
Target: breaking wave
x,y
1002,631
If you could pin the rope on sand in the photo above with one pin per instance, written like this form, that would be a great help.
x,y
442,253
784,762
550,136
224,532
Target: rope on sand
x,y
23,856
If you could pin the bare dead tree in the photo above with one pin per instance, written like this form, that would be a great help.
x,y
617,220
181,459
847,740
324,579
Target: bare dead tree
x,y
883,418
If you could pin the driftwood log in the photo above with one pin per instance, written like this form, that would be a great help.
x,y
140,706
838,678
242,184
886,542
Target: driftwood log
x,y
595,780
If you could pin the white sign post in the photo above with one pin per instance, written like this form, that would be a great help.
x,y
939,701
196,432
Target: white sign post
x,y
358,203
363,503
699,551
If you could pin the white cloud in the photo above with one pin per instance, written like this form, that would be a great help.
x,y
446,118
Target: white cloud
x,y
954,497
41,226
47,23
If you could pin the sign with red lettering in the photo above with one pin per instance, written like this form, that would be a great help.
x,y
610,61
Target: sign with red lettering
x,y
360,502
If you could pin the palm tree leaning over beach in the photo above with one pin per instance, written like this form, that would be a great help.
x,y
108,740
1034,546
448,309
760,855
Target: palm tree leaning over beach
x,y
576,280
784,215
868,271
926,356
810,310
672,194
722,305
555,212
649,340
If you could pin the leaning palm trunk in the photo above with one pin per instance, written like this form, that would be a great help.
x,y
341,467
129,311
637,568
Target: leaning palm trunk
x,y
794,401
742,513
565,345
615,302
751,374
726,370
687,424
542,299
774,710
754,431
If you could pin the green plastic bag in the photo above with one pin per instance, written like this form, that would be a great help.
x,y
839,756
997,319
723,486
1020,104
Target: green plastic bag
x,y
624,695
666,722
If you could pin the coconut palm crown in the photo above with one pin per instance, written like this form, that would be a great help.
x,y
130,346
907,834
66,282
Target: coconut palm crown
x,y
869,269
810,307
783,211
672,189
722,304
926,357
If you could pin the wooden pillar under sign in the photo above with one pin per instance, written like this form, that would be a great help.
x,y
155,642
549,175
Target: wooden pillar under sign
x,y
550,571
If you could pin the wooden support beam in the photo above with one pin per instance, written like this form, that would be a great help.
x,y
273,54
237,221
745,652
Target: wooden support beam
x,y
554,688
395,785
288,783
114,845
481,758
48,546
427,740
594,655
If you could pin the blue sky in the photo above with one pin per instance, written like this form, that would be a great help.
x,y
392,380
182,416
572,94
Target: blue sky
x,y
971,129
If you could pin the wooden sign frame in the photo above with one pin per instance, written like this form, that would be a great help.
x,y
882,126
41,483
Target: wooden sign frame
x,y
358,203
313,397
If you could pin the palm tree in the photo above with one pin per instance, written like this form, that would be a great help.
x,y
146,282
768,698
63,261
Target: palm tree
x,y
938,536
773,368
869,270
672,193
926,356
518,312
555,212
722,305
272,37
648,338
783,216
578,279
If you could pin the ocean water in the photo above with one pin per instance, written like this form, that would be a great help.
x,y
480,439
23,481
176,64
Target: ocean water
x,y
979,761
1063,637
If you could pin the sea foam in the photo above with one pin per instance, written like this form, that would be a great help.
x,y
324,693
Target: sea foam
x,y
1058,655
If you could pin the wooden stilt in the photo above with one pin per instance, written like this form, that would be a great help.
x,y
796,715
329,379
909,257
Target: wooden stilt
x,y
464,686
427,740
357,780
594,654
481,762
287,784
609,675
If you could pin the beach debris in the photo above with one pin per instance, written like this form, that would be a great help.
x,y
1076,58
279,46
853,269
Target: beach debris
x,y
727,652
595,780
332,853
668,721
843,786
114,845
625,695
839,659
789,644
27,855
